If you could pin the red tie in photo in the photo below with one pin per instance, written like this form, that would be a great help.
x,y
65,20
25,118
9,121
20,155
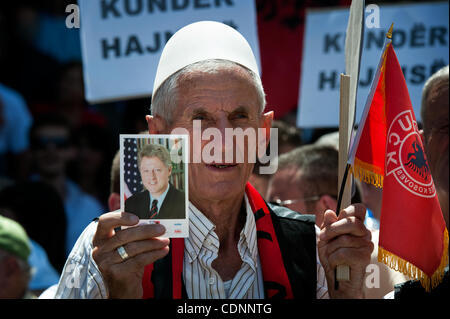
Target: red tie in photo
x,y
154,208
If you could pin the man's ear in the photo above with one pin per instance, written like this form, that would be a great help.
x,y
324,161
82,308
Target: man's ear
x,y
266,124
156,125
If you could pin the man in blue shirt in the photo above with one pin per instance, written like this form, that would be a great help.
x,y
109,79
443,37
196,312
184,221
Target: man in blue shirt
x,y
51,144
15,122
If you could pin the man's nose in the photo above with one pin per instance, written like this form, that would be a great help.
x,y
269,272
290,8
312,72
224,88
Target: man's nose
x,y
227,144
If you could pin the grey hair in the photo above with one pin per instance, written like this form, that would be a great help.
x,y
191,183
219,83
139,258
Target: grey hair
x,y
165,98
437,79
155,150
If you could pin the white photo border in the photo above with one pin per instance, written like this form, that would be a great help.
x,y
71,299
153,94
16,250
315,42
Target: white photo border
x,y
175,228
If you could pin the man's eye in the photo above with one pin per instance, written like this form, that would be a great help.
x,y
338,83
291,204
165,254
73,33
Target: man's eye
x,y
240,116
199,117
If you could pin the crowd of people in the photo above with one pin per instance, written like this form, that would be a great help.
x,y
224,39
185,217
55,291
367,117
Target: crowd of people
x,y
59,178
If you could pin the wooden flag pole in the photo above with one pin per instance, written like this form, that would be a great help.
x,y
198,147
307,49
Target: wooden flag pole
x,y
344,139
345,194
348,91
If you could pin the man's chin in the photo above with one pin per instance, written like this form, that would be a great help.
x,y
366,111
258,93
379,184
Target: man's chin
x,y
156,189
222,190
152,190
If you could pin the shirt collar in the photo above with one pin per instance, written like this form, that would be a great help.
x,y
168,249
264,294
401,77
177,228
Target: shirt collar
x,y
200,227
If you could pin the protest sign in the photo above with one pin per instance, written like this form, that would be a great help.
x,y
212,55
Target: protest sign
x,y
420,38
122,40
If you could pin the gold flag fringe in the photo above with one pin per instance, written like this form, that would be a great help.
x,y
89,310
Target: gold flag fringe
x,y
367,173
414,272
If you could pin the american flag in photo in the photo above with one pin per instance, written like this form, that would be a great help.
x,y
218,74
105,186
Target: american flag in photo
x,y
132,177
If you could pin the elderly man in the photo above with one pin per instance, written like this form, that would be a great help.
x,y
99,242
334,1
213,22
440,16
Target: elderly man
x,y
434,113
159,200
238,246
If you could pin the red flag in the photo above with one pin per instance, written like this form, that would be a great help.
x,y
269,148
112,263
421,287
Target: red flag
x,y
388,153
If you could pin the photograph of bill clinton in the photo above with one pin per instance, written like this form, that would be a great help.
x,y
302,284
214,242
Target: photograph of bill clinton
x,y
159,199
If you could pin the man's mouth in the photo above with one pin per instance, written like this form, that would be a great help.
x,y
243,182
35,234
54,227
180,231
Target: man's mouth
x,y
221,166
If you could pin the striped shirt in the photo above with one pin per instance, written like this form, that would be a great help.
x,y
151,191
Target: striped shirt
x,y
81,277
202,247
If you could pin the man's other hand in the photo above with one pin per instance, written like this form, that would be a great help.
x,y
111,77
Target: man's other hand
x,y
344,240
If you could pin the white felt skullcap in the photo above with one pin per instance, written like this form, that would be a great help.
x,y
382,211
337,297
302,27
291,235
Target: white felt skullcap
x,y
201,41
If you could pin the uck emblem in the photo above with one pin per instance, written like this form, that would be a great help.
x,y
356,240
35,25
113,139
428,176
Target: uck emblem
x,y
417,161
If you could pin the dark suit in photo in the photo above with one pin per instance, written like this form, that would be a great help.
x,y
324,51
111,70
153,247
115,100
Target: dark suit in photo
x,y
173,206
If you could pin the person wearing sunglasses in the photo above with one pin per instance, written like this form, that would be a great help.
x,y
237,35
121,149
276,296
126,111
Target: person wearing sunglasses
x,y
306,180
52,149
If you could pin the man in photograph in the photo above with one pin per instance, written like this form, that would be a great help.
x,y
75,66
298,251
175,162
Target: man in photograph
x,y
159,199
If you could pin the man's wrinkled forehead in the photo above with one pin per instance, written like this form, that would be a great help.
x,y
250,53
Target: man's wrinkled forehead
x,y
197,75
232,91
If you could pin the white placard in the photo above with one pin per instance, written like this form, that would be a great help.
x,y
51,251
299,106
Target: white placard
x,y
420,40
122,40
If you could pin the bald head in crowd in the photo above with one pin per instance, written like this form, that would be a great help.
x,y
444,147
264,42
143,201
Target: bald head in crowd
x,y
306,180
434,113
